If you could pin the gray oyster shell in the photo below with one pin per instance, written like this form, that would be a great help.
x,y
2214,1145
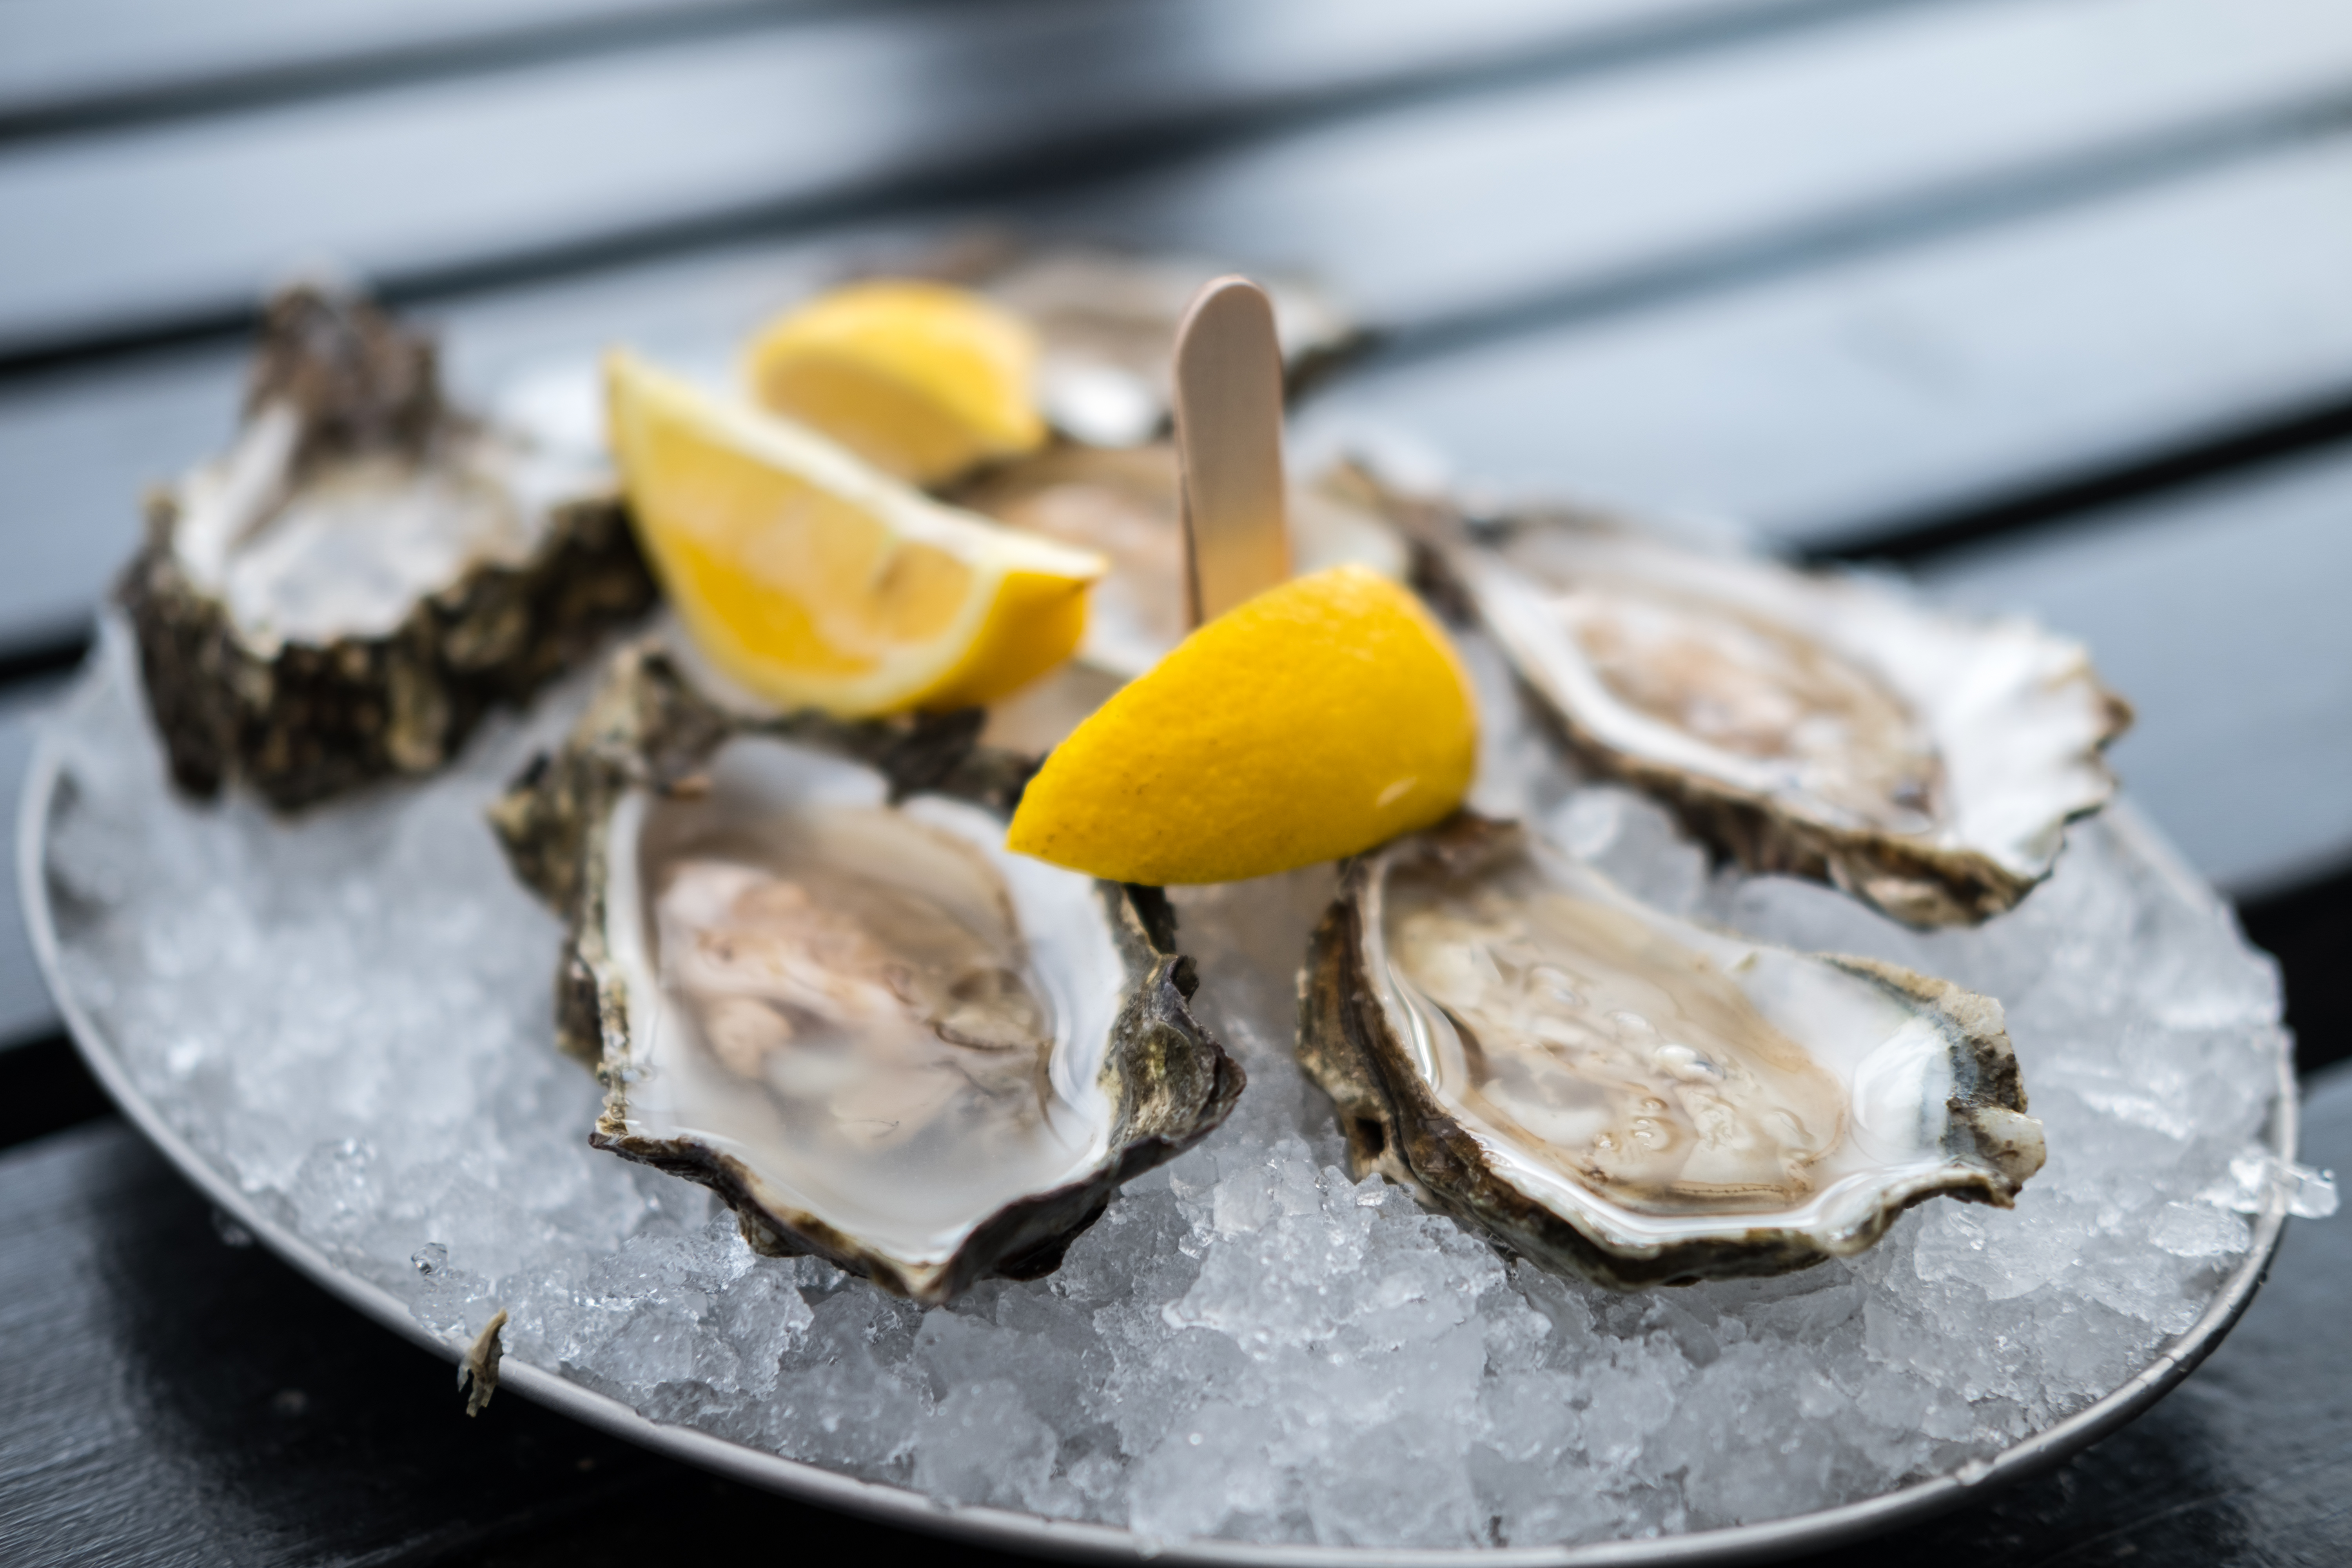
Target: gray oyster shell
x,y
814,1132
374,571
1106,321
1126,504
1614,1093
1823,726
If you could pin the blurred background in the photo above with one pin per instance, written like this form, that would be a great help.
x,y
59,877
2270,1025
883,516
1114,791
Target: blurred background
x,y
2046,301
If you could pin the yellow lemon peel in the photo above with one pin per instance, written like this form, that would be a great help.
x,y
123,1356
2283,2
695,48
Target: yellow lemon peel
x,y
814,581
1321,718
922,380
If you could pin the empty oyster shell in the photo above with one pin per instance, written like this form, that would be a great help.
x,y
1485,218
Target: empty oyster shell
x,y
1825,726
1607,1089
812,979
343,594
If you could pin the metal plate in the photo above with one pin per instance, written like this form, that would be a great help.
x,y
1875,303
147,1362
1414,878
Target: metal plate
x,y
1032,1534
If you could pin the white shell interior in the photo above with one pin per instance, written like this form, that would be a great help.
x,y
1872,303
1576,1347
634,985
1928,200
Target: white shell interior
x,y
806,1051
350,550
1976,735
1651,1080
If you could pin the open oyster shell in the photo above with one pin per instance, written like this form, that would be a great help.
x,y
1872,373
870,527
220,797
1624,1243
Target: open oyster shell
x,y
811,978
1609,1090
1127,503
344,593
1107,319
1825,726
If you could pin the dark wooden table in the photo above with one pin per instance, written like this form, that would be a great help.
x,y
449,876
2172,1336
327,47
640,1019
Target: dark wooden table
x,y
2050,301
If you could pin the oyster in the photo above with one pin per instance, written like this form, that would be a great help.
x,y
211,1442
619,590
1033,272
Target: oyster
x,y
344,593
1825,726
1106,324
1607,1089
1126,504
812,979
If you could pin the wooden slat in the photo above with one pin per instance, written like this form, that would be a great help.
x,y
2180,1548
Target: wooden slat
x,y
1567,194
111,231
1427,211
2221,613
1834,403
58,55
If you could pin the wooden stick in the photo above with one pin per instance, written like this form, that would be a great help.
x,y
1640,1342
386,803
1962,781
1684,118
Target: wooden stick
x,y
1228,407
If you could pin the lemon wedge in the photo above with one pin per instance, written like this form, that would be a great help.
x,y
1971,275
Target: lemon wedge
x,y
816,581
920,379
1318,720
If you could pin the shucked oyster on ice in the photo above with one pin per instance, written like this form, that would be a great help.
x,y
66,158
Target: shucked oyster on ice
x,y
1128,505
1607,1089
812,979
343,594
1825,726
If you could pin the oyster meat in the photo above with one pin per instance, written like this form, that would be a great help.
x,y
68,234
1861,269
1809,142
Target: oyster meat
x,y
343,596
1607,1089
812,979
1821,725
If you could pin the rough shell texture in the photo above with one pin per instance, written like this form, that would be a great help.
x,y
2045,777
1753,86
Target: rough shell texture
x,y
1395,1124
1167,1083
301,722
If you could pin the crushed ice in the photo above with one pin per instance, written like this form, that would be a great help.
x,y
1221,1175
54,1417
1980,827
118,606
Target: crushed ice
x,y
348,1016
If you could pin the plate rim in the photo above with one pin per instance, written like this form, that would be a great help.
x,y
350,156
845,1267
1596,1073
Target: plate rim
x,y
1006,1529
